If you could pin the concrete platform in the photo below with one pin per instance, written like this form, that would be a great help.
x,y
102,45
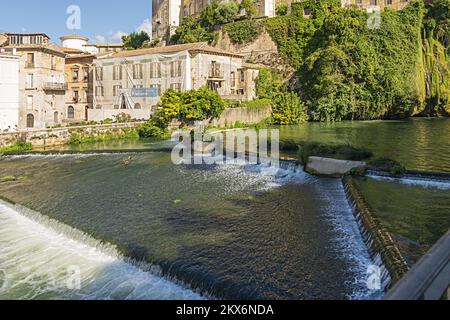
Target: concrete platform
x,y
333,167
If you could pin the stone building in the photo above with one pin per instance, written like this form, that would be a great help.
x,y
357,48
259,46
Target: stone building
x,y
266,8
165,18
9,91
134,81
41,79
373,5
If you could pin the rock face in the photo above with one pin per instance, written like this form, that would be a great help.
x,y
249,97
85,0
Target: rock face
x,y
333,167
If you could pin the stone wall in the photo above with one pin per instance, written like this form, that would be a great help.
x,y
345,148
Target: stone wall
x,y
59,136
242,115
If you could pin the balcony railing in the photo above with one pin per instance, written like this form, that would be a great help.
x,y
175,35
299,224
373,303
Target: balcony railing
x,y
216,74
54,86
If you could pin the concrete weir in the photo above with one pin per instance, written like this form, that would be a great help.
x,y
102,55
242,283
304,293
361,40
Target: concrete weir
x,y
378,240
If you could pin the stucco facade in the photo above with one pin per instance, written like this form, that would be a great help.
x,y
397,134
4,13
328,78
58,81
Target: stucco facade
x,y
41,80
137,79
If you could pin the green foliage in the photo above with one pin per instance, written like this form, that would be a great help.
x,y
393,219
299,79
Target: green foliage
x,y
191,31
288,109
256,104
334,151
226,12
438,21
282,9
268,83
79,137
387,165
150,129
189,106
250,7
18,147
135,40
244,31
122,118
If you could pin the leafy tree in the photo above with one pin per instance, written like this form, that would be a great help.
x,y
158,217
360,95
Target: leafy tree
x,y
191,31
282,9
288,109
268,83
226,12
135,40
190,106
251,10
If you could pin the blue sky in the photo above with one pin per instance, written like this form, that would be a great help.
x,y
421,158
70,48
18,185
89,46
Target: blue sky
x,y
101,20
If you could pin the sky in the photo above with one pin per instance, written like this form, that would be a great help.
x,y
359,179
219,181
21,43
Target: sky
x,y
101,20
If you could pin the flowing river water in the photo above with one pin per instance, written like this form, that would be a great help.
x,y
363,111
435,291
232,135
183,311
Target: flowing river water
x,y
154,230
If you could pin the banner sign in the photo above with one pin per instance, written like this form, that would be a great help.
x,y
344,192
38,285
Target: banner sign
x,y
144,92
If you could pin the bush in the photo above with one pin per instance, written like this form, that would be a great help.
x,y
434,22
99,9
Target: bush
x,y
122,118
387,165
257,103
151,130
189,106
334,151
288,109
244,31
281,9
18,147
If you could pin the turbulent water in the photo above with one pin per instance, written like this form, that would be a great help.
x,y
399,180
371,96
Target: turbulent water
x,y
227,231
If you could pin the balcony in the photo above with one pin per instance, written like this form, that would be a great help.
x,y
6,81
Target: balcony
x,y
54,86
29,65
216,75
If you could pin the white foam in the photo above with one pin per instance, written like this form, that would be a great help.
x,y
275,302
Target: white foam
x,y
36,262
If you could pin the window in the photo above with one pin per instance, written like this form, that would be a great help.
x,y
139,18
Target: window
x,y
373,2
388,2
53,62
86,73
155,70
70,112
158,88
242,75
137,106
233,79
76,95
76,74
30,121
175,69
55,117
29,102
99,73
215,69
30,82
99,91
137,71
116,90
306,12
117,73
30,60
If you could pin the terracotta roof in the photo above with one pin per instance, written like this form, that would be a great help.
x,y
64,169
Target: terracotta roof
x,y
252,65
49,46
73,36
192,47
70,50
119,45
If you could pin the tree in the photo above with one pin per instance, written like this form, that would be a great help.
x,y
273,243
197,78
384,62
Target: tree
x,y
288,109
135,40
226,12
191,31
251,10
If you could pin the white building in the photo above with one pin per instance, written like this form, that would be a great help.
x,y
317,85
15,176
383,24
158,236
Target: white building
x,y
9,90
133,81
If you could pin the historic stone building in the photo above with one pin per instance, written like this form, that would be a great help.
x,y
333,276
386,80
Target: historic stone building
x,y
9,91
372,5
165,18
41,79
134,81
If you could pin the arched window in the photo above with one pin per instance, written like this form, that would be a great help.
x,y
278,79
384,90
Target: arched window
x,y
30,121
70,112
137,106
55,117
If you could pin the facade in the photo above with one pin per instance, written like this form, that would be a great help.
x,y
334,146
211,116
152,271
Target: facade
x,y
266,8
9,91
41,79
134,81
165,18
374,5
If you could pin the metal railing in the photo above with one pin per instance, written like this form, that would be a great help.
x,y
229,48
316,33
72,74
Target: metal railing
x,y
430,277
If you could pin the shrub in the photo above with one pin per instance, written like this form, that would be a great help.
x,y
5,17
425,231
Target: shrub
x,y
18,147
244,31
387,165
122,118
151,130
281,9
288,109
